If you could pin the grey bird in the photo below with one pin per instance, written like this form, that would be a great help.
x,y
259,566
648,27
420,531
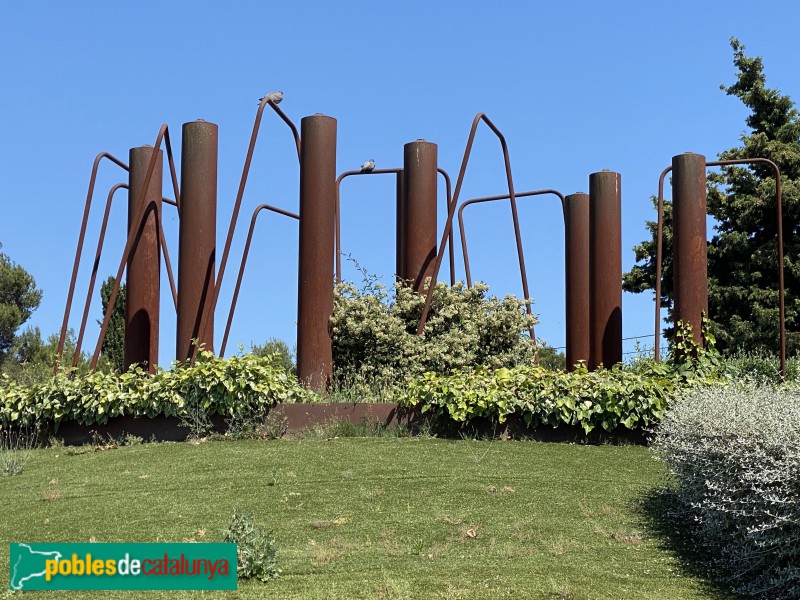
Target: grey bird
x,y
369,166
276,97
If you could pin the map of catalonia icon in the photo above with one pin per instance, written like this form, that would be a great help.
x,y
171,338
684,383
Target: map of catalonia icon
x,y
28,564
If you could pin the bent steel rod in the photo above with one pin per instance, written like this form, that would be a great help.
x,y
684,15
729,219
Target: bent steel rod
x,y
779,226
96,265
337,224
338,220
82,236
462,231
163,135
243,262
211,306
451,212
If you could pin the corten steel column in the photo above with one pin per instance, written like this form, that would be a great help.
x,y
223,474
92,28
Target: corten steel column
x,y
197,235
315,277
605,269
143,274
689,265
401,229
576,221
419,207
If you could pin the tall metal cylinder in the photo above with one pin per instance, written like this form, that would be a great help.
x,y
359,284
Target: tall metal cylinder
x,y
689,262
143,274
197,240
315,276
576,250
605,269
419,207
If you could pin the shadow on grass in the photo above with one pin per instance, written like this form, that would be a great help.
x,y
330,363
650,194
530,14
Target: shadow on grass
x,y
661,515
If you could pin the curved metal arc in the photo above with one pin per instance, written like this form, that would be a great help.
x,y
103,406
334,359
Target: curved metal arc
x,y
449,197
211,306
95,267
81,237
337,226
462,231
779,227
659,236
243,262
451,212
288,121
132,235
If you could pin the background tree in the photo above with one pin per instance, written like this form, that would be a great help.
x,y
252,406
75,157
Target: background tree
x,y
113,347
18,299
274,346
742,254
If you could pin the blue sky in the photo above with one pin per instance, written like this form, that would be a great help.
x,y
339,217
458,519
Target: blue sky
x,y
575,88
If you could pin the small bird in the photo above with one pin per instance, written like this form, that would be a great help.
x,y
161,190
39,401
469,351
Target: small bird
x,y
276,97
369,166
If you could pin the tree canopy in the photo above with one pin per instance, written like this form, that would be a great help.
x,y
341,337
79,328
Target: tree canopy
x,y
113,347
18,299
742,254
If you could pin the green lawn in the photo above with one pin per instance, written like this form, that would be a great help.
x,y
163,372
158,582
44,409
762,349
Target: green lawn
x,y
372,517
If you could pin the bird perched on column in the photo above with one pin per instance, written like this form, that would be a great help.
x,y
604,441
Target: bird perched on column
x,y
276,97
369,166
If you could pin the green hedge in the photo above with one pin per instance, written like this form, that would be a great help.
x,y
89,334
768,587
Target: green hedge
x,y
632,397
212,385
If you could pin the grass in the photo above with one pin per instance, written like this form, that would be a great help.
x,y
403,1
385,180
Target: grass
x,y
373,517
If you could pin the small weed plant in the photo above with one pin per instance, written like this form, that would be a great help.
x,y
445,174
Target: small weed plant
x,y
256,550
16,448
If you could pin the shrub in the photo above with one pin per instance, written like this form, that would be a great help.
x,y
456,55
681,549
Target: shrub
x,y
256,551
604,398
374,336
210,386
274,346
734,452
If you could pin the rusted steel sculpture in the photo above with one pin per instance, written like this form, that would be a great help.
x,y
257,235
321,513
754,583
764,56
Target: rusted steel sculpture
x,y
704,282
463,233
605,269
144,210
197,236
689,241
448,228
417,243
144,263
243,263
576,267
206,321
315,273
400,235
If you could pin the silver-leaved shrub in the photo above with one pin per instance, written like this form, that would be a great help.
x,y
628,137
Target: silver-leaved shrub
x,y
734,452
